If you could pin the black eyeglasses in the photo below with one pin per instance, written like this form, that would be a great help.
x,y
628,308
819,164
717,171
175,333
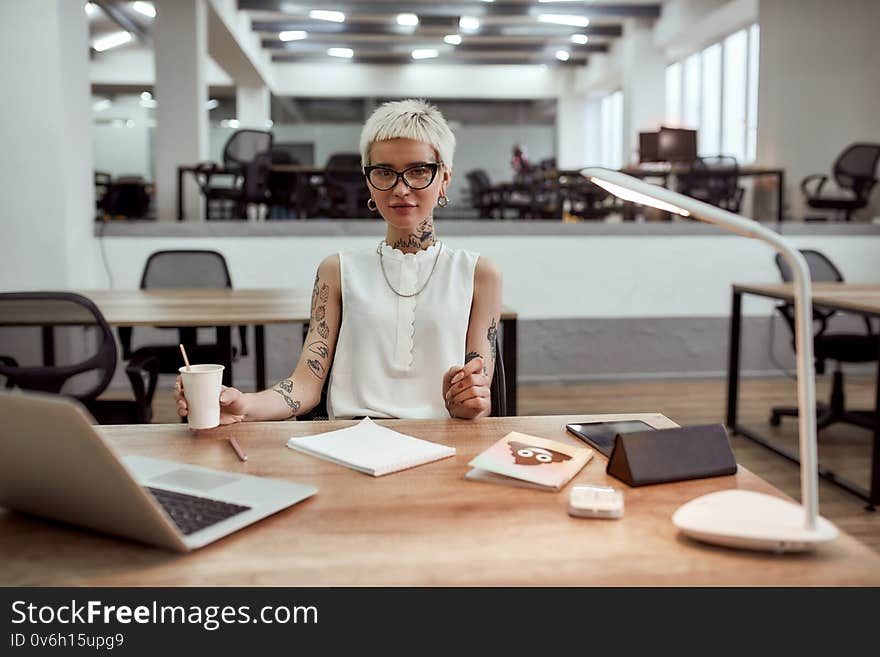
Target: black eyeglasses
x,y
418,176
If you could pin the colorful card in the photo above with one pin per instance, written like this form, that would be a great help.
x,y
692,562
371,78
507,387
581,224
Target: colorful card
x,y
519,459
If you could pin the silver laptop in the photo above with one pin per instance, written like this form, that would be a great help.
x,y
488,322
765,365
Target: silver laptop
x,y
55,464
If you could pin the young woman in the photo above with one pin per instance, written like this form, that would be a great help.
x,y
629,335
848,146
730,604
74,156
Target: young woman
x,y
404,329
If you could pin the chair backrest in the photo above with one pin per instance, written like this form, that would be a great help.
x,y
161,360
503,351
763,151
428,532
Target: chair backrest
x,y
257,172
718,175
855,166
32,323
344,168
244,145
186,268
821,267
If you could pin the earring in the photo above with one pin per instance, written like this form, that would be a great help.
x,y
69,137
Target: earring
x,y
371,205
443,201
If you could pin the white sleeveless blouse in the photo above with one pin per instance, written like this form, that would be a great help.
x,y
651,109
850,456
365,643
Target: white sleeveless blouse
x,y
392,351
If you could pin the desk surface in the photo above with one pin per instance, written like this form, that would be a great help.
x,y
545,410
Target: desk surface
x,y
424,526
856,297
207,307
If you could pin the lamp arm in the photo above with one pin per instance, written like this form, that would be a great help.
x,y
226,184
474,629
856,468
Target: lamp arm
x,y
806,378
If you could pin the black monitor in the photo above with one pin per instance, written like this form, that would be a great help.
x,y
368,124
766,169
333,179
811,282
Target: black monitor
x,y
648,147
677,145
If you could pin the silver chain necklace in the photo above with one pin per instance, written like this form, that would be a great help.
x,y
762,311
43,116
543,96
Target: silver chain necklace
x,y
385,274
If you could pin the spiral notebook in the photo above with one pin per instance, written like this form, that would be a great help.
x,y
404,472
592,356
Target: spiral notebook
x,y
370,448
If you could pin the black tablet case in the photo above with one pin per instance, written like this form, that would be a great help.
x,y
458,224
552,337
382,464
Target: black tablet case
x,y
662,455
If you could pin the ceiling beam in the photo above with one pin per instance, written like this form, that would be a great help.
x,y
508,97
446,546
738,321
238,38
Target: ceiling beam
x,y
323,27
455,9
119,16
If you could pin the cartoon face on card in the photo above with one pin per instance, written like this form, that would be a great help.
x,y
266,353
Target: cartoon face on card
x,y
526,454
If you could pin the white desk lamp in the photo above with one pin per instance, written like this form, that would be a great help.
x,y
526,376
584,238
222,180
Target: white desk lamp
x,y
743,518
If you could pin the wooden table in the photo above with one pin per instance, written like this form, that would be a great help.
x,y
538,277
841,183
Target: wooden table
x,y
425,526
861,299
227,308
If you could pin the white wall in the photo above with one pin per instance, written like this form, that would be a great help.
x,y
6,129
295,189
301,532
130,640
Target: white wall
x,y
46,183
546,277
819,87
135,65
124,149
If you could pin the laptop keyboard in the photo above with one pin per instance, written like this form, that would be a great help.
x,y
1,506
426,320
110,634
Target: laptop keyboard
x,y
191,513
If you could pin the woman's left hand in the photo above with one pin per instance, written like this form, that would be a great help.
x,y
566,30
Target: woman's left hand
x,y
466,390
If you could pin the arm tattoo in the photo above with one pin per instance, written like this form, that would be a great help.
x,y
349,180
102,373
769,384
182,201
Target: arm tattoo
x,y
473,354
319,348
316,368
492,337
284,389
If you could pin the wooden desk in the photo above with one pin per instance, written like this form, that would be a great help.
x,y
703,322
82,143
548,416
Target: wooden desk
x,y
227,308
861,299
425,526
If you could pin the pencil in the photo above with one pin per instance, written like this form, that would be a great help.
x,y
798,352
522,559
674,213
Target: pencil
x,y
238,450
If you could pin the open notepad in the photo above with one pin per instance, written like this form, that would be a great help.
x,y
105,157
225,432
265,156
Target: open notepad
x,y
370,448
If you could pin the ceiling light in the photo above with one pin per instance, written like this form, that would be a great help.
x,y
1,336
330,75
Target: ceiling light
x,y
332,16
424,53
212,104
562,55
230,123
565,19
292,35
580,39
101,105
340,52
146,95
111,41
91,8
407,20
145,8
468,23
452,39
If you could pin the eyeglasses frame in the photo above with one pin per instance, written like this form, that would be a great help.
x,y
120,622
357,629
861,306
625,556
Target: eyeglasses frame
x,y
434,166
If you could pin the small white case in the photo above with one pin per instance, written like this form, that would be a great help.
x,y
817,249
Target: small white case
x,y
595,502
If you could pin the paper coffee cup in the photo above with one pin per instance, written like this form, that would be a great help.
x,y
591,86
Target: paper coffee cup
x,y
201,386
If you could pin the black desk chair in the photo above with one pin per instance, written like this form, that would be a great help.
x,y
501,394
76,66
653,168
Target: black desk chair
x,y
482,197
714,180
346,187
853,172
498,390
840,347
174,270
31,319
127,197
247,157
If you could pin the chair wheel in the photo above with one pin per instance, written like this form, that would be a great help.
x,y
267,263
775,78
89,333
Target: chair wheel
x,y
775,420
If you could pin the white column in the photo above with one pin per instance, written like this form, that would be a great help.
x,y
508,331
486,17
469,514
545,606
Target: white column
x,y
252,107
571,131
180,43
47,195
644,68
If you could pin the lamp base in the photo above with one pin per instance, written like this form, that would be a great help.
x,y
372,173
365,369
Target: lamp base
x,y
753,521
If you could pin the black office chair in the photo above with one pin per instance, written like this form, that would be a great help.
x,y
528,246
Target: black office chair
x,y
482,197
498,390
126,197
283,186
854,173
247,158
346,187
840,347
183,269
714,180
32,324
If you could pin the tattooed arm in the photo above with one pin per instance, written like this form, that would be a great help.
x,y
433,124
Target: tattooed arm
x,y
301,391
466,389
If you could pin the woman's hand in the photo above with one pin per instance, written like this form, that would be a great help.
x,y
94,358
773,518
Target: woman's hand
x,y
232,403
466,390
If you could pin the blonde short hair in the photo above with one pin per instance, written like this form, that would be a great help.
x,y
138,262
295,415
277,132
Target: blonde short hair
x,y
408,119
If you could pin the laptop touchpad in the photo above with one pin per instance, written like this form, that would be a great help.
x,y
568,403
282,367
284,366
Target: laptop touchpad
x,y
194,479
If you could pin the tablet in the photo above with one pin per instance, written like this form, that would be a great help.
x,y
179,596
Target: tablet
x,y
601,434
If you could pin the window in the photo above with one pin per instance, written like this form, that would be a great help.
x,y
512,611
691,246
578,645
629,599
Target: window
x,y
716,92
611,119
